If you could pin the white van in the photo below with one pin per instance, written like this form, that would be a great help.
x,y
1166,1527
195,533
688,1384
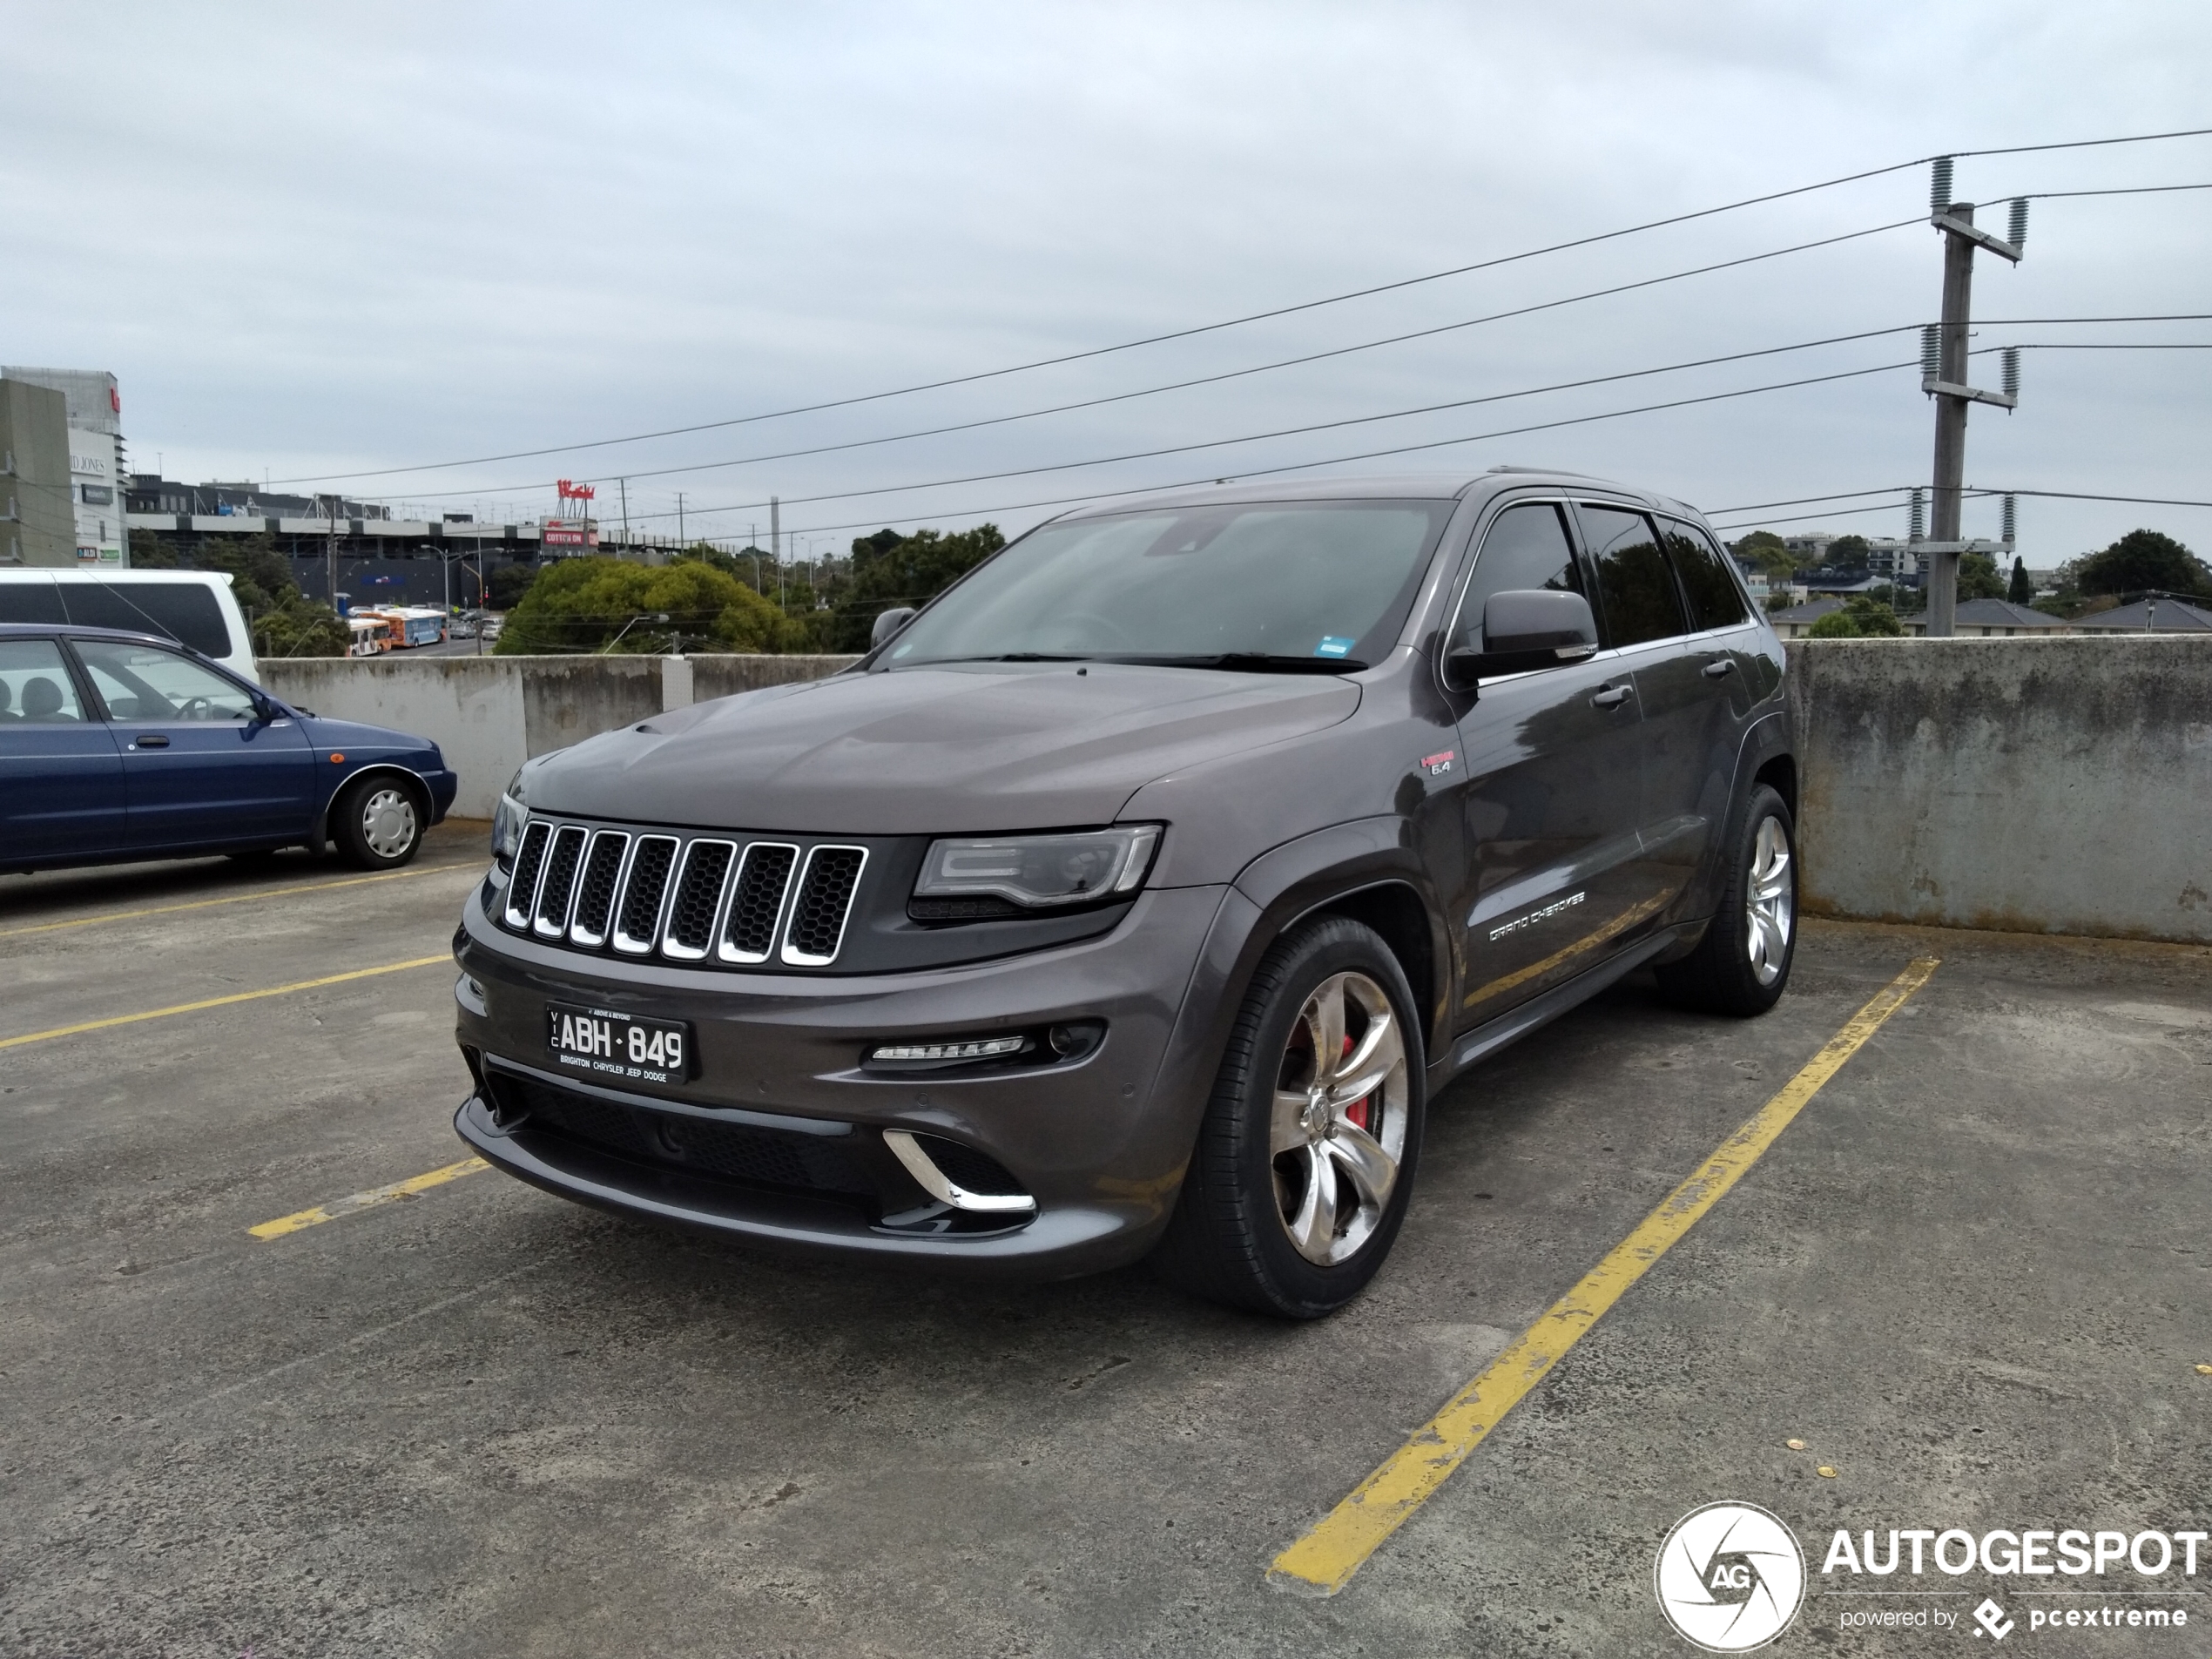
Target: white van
x,y
194,608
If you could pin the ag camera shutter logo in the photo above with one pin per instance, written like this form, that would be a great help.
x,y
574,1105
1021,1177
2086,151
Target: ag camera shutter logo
x,y
1729,1577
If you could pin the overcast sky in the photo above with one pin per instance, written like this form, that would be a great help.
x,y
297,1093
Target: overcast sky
x,y
318,242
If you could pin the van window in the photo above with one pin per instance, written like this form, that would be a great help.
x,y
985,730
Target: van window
x,y
1638,590
185,611
31,602
1715,600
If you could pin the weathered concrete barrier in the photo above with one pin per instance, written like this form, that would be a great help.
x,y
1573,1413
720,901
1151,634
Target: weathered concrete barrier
x,y
489,714
2034,784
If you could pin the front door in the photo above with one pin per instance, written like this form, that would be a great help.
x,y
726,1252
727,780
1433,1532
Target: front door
x,y
61,775
1553,792
202,767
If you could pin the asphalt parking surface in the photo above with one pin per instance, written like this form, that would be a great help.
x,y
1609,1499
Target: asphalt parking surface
x,y
1971,1278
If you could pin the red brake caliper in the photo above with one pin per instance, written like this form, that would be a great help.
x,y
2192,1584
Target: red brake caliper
x,y
1357,1112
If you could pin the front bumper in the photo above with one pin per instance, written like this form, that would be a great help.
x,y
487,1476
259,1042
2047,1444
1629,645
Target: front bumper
x,y
1099,1141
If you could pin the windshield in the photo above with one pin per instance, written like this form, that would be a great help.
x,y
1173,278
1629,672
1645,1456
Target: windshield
x,y
1323,585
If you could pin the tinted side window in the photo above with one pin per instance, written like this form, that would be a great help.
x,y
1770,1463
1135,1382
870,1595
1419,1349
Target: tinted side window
x,y
185,611
1525,547
1715,600
1633,580
34,685
31,602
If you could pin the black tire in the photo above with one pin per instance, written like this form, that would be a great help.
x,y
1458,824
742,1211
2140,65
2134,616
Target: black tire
x,y
1728,972
1230,1240
378,821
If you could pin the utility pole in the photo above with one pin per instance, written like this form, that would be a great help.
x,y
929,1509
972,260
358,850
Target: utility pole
x,y
775,541
624,482
1943,376
679,519
330,557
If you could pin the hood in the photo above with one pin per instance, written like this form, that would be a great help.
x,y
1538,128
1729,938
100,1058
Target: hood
x,y
344,735
975,749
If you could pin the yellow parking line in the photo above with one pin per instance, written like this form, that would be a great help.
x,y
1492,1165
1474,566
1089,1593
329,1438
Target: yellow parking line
x,y
235,898
369,1200
1323,1561
219,1001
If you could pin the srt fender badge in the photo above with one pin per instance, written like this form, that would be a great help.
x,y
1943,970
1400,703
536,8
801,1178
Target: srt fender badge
x,y
1437,765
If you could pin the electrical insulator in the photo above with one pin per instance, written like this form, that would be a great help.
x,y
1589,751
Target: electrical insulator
x,y
2018,225
2012,520
1918,532
2012,371
1931,352
1939,187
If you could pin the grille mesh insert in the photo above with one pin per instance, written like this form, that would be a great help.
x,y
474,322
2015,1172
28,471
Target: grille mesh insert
x,y
553,895
648,881
752,929
595,896
698,893
521,886
825,895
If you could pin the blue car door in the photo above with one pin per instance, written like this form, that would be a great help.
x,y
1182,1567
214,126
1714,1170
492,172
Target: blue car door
x,y
61,775
201,766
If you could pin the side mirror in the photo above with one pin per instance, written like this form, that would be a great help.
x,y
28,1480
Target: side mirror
x,y
1524,629
888,623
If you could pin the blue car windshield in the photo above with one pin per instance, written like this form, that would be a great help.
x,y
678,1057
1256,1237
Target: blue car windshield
x,y
1323,585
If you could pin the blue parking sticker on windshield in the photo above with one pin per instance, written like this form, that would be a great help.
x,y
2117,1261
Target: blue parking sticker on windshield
x,y
1333,645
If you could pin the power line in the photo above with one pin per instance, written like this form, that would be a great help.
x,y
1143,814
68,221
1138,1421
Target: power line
x,y
1234,322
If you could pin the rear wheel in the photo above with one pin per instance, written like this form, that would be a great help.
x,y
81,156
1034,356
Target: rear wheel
x,y
1304,1163
1742,965
377,822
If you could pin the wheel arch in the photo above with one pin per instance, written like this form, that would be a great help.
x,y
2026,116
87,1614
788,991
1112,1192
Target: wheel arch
x,y
424,802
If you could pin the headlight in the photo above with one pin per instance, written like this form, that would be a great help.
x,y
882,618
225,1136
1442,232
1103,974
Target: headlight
x,y
1040,872
507,820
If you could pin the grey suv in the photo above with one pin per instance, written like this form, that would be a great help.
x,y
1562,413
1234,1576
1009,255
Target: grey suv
x,y
1136,894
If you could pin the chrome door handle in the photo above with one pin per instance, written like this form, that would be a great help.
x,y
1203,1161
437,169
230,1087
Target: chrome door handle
x,y
1719,666
1610,697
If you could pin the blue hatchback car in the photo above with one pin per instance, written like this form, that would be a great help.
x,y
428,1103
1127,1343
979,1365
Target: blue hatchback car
x,y
116,745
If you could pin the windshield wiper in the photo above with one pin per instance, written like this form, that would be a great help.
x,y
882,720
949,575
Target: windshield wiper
x,y
1255,662
1003,657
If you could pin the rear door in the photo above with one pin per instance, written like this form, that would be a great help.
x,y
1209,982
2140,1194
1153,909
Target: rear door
x,y
1552,790
200,765
1646,620
61,775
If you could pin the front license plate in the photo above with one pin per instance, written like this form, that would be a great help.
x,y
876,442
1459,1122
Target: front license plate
x,y
618,1045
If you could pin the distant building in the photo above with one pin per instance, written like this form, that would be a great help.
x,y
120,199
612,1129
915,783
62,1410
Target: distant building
x,y
2157,615
1995,619
150,492
1797,622
37,520
94,405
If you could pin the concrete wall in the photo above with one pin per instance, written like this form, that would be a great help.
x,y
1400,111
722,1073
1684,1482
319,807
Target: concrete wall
x,y
489,714
2036,784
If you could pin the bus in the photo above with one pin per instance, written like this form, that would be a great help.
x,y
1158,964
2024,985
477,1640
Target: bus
x,y
412,625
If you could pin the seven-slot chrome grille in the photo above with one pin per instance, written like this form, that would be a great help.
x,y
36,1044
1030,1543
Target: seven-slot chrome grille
x,y
715,901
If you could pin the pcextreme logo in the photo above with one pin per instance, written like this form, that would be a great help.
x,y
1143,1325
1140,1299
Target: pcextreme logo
x,y
1729,1577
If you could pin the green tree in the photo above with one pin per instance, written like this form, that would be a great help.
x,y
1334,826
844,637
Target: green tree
x,y
2020,590
1767,550
1870,617
1848,553
1978,577
505,584
2141,561
890,570
1837,625
594,603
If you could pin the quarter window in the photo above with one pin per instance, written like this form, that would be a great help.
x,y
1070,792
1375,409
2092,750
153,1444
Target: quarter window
x,y
34,688
1525,547
1715,600
146,682
1633,580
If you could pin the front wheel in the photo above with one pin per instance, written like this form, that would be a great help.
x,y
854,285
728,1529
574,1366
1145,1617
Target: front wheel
x,y
1742,965
377,822
1304,1163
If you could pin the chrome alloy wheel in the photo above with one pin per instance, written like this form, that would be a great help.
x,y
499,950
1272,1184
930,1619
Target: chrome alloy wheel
x,y
387,822
1337,1130
1769,901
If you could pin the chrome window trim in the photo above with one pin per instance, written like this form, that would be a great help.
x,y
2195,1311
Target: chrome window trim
x,y
518,917
629,945
576,934
794,958
538,929
677,874
723,953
